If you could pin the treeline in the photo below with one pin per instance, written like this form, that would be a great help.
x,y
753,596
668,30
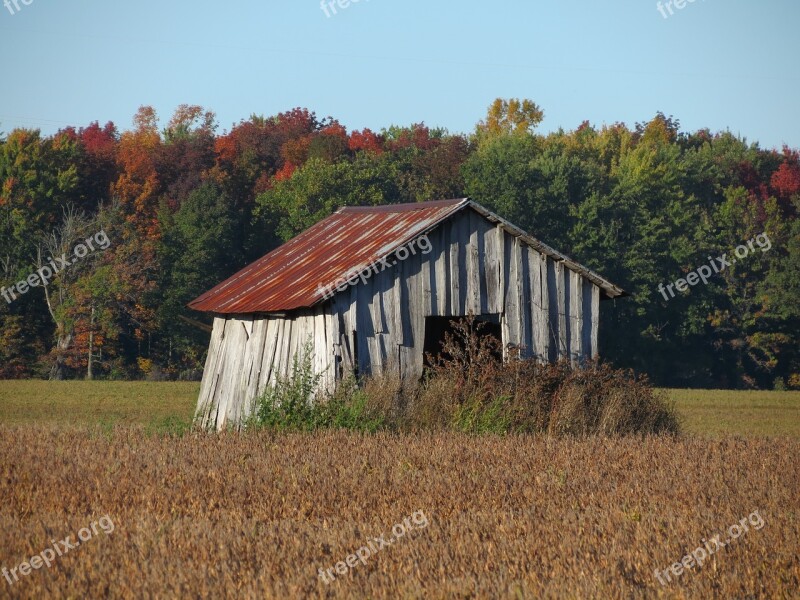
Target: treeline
x,y
183,207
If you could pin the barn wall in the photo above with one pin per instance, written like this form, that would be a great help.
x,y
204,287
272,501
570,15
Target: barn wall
x,y
378,326
246,355
547,310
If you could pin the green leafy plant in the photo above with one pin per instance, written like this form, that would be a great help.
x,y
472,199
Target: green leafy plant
x,y
289,403
295,403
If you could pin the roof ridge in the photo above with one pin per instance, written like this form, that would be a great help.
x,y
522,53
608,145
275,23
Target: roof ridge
x,y
404,207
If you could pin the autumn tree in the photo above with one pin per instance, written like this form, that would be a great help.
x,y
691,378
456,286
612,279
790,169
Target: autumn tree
x,y
510,117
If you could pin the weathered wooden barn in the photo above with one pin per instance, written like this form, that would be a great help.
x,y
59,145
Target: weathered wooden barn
x,y
372,288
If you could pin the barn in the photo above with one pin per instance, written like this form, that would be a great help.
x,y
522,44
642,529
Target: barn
x,y
372,288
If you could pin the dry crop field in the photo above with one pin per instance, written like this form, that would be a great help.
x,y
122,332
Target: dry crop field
x,y
259,514
170,513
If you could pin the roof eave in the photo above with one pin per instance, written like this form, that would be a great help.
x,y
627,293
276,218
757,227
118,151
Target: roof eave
x,y
611,290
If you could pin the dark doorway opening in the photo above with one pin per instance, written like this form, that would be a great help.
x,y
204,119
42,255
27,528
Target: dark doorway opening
x,y
437,327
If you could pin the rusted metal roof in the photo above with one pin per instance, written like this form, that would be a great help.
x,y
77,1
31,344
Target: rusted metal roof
x,y
349,241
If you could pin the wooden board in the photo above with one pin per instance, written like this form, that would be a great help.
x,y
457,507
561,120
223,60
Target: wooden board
x,y
545,328
595,321
491,271
576,317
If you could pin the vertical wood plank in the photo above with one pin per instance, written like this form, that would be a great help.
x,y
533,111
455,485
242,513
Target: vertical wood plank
x,y
333,332
258,341
456,283
322,351
462,242
234,356
376,318
481,227
366,332
405,349
512,301
535,299
295,343
595,321
390,318
239,398
336,329
502,271
271,359
491,269
425,283
565,335
283,361
473,301
576,317
399,310
442,252
210,374
586,321
526,303
557,310
544,310
413,269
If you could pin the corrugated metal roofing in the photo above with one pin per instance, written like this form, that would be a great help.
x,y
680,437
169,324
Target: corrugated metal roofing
x,y
349,241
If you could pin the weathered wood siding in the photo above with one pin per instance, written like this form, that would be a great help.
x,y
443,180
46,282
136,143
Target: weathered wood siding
x,y
546,311
247,354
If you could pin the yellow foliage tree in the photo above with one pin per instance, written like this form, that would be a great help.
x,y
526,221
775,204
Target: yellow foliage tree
x,y
510,117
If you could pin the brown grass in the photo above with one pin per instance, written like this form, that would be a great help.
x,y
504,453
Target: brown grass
x,y
470,389
516,516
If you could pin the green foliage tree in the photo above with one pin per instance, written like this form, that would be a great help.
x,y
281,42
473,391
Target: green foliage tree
x,y
319,188
198,247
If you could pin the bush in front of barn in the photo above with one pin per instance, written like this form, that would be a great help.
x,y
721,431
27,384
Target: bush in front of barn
x,y
293,403
468,389
483,394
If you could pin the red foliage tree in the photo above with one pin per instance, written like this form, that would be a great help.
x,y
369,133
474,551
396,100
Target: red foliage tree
x,y
785,182
366,141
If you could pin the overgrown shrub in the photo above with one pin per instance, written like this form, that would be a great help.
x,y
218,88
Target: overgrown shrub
x,y
351,407
468,389
475,416
486,394
289,404
295,403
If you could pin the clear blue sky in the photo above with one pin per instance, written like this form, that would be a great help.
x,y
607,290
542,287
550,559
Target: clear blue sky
x,y
722,64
